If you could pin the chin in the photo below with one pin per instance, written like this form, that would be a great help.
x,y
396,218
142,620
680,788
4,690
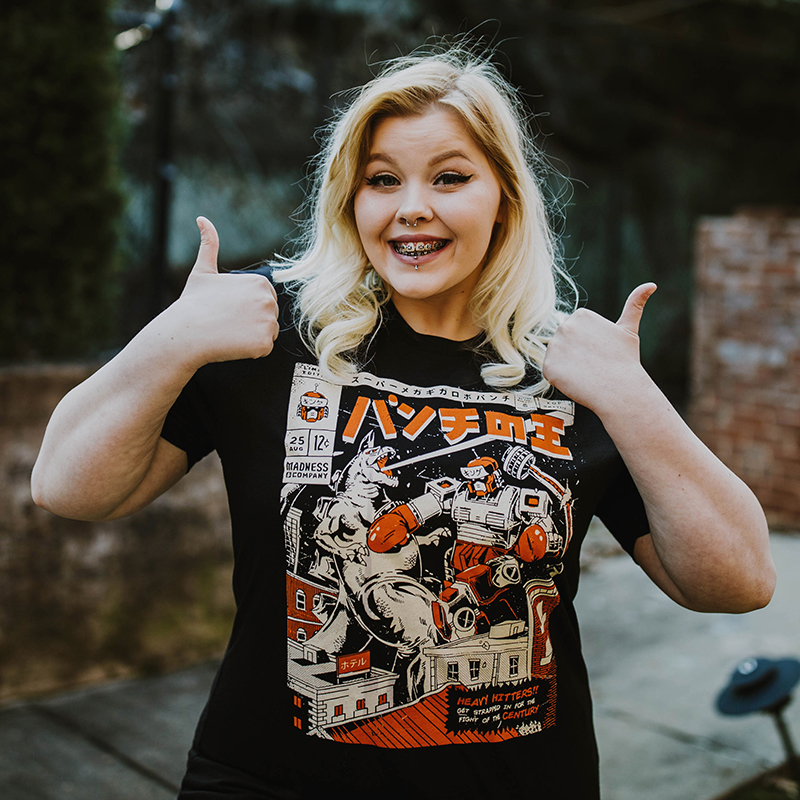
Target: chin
x,y
416,289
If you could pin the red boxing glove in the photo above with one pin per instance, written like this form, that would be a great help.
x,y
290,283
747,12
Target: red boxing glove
x,y
392,529
532,544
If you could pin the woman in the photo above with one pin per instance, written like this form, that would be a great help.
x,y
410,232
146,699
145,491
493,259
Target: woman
x,y
412,468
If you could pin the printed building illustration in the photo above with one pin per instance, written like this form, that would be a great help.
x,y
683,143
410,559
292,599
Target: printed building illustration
x,y
482,659
302,598
324,695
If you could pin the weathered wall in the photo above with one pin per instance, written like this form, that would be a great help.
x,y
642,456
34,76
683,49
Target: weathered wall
x,y
84,601
746,353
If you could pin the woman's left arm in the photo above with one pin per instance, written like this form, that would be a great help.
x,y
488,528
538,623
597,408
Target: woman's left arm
x,y
708,546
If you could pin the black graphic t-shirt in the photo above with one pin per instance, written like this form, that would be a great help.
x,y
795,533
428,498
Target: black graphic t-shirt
x,y
406,556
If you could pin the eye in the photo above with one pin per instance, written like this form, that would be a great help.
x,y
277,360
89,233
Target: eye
x,y
451,178
383,179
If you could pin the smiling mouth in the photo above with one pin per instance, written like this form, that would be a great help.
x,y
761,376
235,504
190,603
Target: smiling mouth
x,y
419,248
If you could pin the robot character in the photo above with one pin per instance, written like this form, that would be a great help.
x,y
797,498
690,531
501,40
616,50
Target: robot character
x,y
501,531
312,407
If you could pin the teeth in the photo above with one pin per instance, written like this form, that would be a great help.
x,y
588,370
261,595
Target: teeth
x,y
418,248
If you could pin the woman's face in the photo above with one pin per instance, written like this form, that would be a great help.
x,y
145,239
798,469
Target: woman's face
x,y
427,206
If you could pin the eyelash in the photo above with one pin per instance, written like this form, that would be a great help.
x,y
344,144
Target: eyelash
x,y
459,177
376,180
456,178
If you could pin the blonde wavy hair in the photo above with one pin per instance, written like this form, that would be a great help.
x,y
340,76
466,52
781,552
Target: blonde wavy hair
x,y
523,291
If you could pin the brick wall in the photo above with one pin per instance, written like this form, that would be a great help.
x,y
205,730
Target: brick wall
x,y
746,353
88,601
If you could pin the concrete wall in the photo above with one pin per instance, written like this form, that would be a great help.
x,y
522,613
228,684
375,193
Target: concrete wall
x,y
82,602
746,353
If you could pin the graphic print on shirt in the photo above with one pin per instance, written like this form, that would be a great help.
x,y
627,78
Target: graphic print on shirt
x,y
423,529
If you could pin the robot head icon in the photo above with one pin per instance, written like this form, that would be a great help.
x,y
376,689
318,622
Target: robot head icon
x,y
483,476
313,407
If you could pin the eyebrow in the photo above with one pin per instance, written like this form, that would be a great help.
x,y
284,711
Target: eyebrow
x,y
448,154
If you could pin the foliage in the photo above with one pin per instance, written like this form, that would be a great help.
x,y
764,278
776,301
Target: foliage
x,y
58,100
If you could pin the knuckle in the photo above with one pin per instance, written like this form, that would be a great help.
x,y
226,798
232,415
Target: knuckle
x,y
566,326
264,283
264,350
271,303
252,280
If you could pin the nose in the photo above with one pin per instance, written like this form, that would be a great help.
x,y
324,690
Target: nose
x,y
414,206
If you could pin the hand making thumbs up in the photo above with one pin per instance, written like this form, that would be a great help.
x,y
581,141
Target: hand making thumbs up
x,y
594,361
222,317
208,253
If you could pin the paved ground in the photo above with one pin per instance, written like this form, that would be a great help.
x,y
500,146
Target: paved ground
x,y
655,671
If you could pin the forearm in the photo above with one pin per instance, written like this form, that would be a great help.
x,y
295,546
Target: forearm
x,y
101,439
101,455
708,530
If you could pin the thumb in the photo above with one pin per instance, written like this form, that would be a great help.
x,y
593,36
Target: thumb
x,y
634,306
209,248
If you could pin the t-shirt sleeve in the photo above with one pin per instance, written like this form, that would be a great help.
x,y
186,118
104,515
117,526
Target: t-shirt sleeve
x,y
186,425
622,511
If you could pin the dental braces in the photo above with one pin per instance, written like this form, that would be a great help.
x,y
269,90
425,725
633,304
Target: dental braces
x,y
417,249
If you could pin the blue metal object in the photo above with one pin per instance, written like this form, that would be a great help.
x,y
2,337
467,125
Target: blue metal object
x,y
765,685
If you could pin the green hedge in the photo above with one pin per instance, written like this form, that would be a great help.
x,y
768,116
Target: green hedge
x,y
60,193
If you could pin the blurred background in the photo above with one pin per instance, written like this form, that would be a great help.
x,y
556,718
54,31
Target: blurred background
x,y
656,112
671,128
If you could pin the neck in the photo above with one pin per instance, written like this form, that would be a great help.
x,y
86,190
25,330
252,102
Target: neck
x,y
446,320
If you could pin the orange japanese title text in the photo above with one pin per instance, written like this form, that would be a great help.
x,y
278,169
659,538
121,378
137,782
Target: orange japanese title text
x,y
541,432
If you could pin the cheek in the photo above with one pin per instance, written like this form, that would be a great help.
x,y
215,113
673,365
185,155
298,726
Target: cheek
x,y
474,218
371,216
478,230
360,214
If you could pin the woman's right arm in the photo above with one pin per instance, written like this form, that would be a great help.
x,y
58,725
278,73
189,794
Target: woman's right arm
x,y
102,456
